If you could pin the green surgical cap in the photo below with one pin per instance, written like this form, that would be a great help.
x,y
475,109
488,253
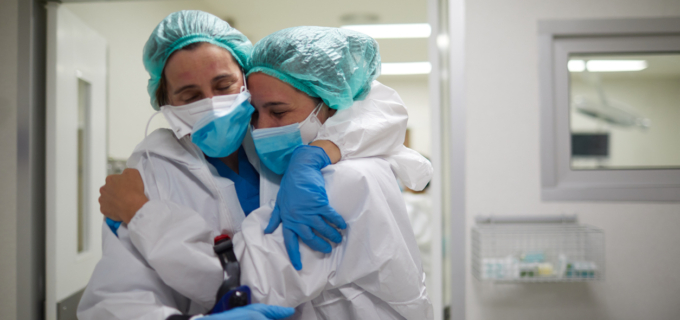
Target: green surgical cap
x,y
336,65
183,28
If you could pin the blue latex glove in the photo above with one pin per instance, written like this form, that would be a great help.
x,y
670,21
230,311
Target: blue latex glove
x,y
256,311
113,225
302,205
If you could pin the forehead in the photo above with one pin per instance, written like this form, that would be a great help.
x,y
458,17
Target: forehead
x,y
265,88
204,61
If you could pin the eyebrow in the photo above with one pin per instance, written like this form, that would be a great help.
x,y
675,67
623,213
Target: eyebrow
x,y
184,88
215,79
273,103
223,76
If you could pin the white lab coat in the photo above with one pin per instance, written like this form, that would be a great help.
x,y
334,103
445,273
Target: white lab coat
x,y
163,263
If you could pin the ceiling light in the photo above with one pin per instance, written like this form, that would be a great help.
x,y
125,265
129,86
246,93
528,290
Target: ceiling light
x,y
443,41
616,65
392,31
403,68
606,65
576,65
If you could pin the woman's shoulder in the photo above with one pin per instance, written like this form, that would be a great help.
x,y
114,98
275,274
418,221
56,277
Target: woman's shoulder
x,y
359,186
162,143
382,92
358,172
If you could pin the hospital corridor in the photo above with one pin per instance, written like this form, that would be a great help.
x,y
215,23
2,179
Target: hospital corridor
x,y
376,159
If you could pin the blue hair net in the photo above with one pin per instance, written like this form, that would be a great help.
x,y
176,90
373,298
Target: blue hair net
x,y
336,65
182,28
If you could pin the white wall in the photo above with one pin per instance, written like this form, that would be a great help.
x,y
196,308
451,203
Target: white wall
x,y
8,157
503,173
126,26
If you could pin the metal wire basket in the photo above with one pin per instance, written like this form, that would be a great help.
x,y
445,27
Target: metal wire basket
x,y
536,249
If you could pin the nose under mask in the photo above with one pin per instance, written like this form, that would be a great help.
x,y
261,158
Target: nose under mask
x,y
217,125
275,146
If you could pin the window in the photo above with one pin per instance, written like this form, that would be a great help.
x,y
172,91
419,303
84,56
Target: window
x,y
610,109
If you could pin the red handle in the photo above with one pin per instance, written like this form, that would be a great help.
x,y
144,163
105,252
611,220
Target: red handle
x,y
221,237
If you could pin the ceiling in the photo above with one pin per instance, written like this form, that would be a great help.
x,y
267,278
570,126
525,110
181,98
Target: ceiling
x,y
276,15
258,18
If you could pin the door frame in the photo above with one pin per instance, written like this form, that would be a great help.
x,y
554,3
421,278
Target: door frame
x,y
457,153
447,100
30,258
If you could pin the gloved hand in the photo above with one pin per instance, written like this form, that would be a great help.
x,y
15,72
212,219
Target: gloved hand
x,y
302,205
256,311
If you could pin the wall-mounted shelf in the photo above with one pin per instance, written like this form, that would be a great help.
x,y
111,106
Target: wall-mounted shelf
x,y
536,249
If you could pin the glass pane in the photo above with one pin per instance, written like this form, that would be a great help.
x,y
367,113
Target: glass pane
x,y
83,106
625,111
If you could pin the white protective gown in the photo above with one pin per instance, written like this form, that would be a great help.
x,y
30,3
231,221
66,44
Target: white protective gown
x,y
163,264
419,209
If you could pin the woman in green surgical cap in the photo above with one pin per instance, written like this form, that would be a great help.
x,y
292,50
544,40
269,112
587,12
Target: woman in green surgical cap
x,y
305,75
203,177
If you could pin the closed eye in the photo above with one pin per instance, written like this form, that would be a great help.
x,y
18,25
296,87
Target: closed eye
x,y
191,99
224,88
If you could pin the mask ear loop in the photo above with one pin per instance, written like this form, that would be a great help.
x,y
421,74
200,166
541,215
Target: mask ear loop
x,y
245,85
317,109
312,115
153,168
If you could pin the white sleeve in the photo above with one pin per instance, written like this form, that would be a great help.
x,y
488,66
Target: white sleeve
x,y
177,242
124,287
375,252
376,127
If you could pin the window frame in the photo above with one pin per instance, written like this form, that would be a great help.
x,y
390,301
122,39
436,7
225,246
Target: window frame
x,y
557,40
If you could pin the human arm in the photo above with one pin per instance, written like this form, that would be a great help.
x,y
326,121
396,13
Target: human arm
x,y
177,243
302,205
123,286
378,252
122,195
386,266
375,126
372,127
174,240
332,151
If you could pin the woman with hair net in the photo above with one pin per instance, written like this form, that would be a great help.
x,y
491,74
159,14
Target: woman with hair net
x,y
162,264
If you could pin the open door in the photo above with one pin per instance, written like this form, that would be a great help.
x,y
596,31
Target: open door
x,y
76,158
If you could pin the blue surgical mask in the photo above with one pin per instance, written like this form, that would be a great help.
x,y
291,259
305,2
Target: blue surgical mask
x,y
220,132
217,125
275,146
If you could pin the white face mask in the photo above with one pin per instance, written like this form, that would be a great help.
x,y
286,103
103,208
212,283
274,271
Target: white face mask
x,y
309,128
183,118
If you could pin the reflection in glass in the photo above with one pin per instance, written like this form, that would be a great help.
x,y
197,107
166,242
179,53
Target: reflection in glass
x,y
625,111
83,107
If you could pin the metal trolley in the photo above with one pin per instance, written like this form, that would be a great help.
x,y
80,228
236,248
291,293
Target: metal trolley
x,y
536,249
